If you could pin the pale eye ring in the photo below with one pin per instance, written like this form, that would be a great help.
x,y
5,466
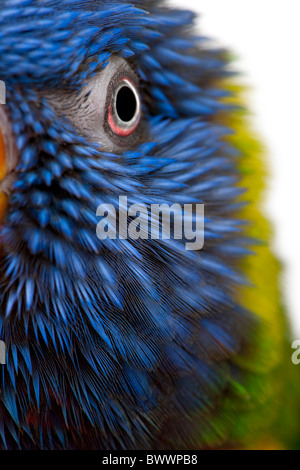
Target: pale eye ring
x,y
125,108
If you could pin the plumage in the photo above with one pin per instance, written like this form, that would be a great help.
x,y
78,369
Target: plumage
x,y
127,344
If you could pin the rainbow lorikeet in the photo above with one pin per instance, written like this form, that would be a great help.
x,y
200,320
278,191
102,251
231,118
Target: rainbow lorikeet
x,y
132,343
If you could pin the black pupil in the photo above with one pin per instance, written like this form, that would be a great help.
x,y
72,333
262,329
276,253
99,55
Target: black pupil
x,y
126,104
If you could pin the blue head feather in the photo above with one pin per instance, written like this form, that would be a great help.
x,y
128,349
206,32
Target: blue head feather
x,y
115,344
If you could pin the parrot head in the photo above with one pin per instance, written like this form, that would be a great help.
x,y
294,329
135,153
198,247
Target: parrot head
x,y
115,343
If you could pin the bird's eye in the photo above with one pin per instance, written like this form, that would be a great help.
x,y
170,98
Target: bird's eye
x,y
124,110
108,110
123,116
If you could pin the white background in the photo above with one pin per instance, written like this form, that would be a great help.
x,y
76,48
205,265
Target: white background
x,y
265,35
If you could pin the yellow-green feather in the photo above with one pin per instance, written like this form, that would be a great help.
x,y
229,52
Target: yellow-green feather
x,y
256,409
